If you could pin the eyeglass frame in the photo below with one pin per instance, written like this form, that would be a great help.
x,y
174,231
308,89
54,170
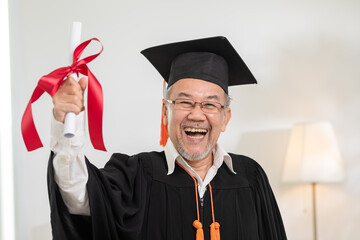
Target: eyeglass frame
x,y
194,104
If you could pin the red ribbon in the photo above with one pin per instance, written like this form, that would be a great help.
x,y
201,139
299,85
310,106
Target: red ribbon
x,y
50,83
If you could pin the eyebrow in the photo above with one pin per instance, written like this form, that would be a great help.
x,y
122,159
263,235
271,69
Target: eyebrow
x,y
183,94
211,97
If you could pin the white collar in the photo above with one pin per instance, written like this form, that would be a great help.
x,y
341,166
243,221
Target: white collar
x,y
220,156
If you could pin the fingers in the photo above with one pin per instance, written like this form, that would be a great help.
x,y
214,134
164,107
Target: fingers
x,y
70,86
69,98
61,109
83,83
66,107
76,100
65,104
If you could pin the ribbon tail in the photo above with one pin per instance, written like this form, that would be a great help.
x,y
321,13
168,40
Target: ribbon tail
x,y
95,112
31,137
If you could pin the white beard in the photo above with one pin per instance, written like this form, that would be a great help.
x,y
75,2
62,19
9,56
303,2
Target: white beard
x,y
194,157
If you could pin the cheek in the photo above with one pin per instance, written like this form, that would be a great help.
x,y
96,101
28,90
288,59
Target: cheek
x,y
174,120
218,124
223,126
225,119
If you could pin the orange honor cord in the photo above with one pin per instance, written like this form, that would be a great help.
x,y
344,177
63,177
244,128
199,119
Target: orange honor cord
x,y
197,224
215,226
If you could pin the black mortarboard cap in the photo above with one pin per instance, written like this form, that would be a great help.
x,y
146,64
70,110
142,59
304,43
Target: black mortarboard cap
x,y
211,59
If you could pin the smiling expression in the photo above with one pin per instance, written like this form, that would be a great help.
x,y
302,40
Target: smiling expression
x,y
193,132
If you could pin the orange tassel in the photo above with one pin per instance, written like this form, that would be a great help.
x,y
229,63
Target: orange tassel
x,y
215,231
199,231
164,135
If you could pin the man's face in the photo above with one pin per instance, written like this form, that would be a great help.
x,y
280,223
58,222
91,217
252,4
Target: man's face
x,y
193,132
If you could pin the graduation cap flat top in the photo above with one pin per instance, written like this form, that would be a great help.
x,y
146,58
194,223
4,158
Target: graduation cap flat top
x,y
211,59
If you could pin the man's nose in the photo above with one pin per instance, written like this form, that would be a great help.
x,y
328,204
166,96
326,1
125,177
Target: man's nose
x,y
197,113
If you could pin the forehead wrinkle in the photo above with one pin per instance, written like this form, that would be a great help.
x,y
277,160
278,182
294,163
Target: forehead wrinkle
x,y
211,97
184,94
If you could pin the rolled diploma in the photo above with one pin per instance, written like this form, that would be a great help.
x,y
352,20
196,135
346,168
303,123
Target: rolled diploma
x,y
75,39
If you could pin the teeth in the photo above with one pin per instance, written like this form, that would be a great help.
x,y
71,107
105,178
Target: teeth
x,y
199,136
199,130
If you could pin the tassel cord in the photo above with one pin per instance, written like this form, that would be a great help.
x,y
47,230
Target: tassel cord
x,y
215,226
164,135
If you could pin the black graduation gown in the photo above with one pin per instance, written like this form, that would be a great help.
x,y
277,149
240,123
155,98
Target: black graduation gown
x,y
133,198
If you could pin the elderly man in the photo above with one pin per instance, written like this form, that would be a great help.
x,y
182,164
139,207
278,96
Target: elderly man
x,y
193,189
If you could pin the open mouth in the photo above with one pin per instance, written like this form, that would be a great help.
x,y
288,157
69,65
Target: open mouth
x,y
195,132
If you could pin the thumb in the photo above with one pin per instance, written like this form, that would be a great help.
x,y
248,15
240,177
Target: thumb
x,y
83,83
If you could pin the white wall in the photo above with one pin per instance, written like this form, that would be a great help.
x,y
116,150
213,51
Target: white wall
x,y
304,54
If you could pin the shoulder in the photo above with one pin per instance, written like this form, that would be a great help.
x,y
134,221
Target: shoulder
x,y
144,156
145,160
242,161
248,167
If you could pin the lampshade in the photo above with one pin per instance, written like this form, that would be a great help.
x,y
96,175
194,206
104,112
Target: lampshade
x,y
313,154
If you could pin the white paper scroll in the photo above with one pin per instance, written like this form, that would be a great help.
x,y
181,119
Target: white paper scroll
x,y
75,40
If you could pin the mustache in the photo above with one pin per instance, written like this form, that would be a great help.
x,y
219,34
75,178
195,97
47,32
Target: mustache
x,y
193,124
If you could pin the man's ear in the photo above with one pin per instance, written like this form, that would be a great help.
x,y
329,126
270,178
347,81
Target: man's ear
x,y
165,114
226,119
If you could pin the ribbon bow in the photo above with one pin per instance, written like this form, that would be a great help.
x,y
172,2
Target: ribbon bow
x,y
50,83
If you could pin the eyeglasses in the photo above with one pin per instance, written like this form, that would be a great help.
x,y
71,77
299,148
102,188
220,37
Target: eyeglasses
x,y
188,105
